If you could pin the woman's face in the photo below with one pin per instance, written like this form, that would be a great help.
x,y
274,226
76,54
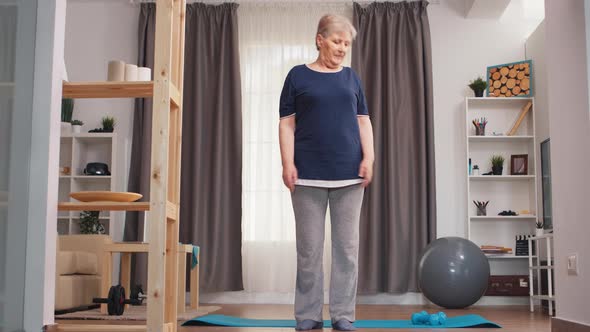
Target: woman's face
x,y
333,48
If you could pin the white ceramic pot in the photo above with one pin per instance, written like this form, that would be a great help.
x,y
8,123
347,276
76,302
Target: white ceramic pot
x,y
66,128
539,232
76,129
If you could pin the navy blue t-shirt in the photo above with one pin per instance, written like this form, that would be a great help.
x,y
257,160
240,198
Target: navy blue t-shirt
x,y
325,106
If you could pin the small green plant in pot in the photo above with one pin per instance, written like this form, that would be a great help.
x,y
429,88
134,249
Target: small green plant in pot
x,y
478,86
108,124
77,126
497,164
90,223
67,109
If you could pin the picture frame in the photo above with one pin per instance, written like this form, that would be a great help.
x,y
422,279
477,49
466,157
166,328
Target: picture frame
x,y
513,79
519,164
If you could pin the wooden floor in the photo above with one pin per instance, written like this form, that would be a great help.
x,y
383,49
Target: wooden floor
x,y
511,318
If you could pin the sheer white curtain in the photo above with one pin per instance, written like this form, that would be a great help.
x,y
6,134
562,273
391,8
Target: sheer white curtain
x,y
273,38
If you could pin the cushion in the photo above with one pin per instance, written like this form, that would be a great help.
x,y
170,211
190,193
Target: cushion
x,y
86,263
76,290
76,262
66,263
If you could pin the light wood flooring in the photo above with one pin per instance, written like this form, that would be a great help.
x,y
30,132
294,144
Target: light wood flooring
x,y
511,318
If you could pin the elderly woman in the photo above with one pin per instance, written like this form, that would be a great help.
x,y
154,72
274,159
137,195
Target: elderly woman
x,y
327,154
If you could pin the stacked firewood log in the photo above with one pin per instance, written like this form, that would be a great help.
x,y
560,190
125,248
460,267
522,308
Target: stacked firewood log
x,y
509,81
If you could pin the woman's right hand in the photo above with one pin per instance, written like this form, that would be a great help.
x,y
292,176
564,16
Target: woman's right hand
x,y
290,176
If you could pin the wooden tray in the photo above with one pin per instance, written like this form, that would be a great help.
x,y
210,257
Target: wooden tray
x,y
105,196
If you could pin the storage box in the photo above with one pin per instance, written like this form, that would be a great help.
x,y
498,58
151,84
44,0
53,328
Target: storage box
x,y
508,285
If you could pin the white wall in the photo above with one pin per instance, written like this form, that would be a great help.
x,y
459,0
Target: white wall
x,y
570,139
97,32
535,51
461,50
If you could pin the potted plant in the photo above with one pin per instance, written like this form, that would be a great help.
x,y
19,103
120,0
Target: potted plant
x,y
90,223
497,164
539,228
67,109
77,126
478,86
108,124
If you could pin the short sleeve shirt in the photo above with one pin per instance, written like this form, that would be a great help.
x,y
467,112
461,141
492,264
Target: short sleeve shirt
x,y
326,107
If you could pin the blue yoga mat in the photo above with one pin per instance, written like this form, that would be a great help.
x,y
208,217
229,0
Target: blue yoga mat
x,y
452,322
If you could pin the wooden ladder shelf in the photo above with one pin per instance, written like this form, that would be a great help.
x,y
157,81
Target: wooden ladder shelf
x,y
166,93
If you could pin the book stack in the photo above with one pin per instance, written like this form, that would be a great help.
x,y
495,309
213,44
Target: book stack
x,y
496,250
522,245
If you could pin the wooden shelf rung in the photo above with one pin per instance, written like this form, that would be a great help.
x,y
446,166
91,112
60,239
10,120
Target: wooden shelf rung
x,y
171,211
174,95
102,327
103,206
127,247
141,247
144,89
169,327
79,327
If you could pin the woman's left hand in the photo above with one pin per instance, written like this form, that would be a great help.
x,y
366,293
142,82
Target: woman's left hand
x,y
366,172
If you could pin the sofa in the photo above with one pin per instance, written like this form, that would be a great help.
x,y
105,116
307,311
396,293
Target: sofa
x,y
78,270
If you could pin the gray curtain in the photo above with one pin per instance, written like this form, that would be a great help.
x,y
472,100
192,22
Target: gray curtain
x,y
211,178
211,191
392,55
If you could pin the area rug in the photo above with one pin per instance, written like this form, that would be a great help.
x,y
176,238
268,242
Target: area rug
x,y
452,322
135,313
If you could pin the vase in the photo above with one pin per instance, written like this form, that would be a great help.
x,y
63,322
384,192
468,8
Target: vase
x,y
497,170
481,211
76,129
539,231
66,128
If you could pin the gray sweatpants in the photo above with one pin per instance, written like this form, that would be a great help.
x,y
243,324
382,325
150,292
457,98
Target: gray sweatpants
x,y
309,205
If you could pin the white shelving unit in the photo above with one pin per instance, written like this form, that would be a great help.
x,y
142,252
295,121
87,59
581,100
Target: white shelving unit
x,y
75,152
492,256
505,192
536,267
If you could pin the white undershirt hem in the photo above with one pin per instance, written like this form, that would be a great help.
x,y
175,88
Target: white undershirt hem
x,y
327,183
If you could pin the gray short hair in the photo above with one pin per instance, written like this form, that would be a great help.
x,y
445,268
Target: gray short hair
x,y
332,22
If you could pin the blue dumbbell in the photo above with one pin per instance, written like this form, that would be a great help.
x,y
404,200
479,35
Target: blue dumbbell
x,y
420,318
437,319
423,318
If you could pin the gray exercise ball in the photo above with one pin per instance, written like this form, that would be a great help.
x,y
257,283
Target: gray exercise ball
x,y
453,272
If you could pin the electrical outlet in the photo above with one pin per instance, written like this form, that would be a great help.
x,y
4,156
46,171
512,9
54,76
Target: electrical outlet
x,y
572,264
